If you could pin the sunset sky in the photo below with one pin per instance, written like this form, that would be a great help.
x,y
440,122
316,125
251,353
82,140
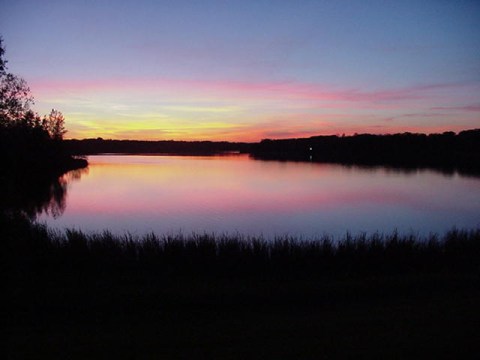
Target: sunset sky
x,y
248,70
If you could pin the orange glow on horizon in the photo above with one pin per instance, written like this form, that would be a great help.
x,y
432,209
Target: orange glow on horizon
x,y
247,134
248,111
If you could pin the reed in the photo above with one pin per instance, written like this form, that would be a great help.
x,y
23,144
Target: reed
x,y
83,295
241,256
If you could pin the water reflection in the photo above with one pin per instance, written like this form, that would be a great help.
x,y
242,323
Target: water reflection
x,y
35,194
447,171
168,194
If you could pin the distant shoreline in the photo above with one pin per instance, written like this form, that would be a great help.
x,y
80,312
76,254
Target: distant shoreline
x,y
447,152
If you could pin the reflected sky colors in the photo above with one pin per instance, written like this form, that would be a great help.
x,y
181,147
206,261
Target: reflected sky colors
x,y
229,194
247,70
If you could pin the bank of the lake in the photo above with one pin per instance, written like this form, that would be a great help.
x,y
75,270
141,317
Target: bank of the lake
x,y
77,295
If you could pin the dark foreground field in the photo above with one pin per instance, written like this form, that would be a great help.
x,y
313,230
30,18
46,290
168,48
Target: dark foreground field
x,y
78,296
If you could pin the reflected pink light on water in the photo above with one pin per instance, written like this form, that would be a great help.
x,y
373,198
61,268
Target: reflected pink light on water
x,y
235,193
174,188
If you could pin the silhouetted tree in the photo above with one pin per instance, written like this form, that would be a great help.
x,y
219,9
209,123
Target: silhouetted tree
x,y
54,124
15,97
29,144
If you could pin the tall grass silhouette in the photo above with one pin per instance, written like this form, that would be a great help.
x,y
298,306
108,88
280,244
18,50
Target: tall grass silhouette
x,y
237,255
98,295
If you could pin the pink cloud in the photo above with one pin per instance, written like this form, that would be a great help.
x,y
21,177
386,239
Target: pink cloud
x,y
292,90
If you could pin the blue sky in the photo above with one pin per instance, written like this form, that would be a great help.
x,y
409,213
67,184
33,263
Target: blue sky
x,y
246,70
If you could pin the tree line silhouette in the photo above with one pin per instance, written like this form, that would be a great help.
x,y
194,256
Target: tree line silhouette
x,y
101,146
447,151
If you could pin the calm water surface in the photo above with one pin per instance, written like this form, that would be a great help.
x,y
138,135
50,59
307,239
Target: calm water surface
x,y
230,194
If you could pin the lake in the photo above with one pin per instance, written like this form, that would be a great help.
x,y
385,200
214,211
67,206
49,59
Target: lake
x,y
236,194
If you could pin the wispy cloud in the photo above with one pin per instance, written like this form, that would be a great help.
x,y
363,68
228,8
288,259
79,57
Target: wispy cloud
x,y
474,107
293,90
413,115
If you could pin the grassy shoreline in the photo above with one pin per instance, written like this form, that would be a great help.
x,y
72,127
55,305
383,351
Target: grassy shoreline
x,y
353,255
78,295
